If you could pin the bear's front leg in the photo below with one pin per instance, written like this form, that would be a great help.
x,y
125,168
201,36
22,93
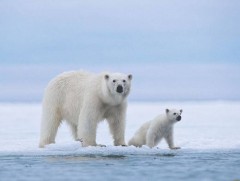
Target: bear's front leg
x,y
169,139
87,128
117,129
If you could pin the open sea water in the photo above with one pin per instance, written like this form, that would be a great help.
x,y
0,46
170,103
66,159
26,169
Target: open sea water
x,y
172,165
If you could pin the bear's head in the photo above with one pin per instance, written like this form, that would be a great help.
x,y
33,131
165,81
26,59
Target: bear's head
x,y
118,84
174,115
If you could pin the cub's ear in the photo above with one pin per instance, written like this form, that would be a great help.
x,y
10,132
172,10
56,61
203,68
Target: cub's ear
x,y
106,76
130,76
167,110
180,110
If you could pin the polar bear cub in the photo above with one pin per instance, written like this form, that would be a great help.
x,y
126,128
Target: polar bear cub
x,y
151,132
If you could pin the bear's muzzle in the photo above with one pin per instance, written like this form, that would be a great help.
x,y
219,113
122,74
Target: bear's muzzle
x,y
119,89
178,118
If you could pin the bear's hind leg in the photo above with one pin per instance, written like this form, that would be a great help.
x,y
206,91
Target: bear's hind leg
x,y
134,142
150,139
49,126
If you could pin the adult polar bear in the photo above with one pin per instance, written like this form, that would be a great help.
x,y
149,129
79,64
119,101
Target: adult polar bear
x,y
84,99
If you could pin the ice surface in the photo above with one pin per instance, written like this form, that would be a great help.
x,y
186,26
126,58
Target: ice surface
x,y
204,126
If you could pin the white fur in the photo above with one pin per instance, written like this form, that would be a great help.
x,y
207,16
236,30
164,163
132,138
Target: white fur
x,y
84,99
151,132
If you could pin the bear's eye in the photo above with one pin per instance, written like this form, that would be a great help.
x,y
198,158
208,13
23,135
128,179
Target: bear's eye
x,y
114,81
124,81
174,113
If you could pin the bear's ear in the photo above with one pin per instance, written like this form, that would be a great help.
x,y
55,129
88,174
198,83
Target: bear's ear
x,y
106,76
130,76
180,110
167,110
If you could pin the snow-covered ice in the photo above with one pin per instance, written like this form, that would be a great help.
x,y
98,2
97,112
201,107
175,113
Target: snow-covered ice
x,y
204,125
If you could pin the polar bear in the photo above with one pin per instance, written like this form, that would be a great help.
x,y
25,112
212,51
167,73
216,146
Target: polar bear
x,y
151,132
84,99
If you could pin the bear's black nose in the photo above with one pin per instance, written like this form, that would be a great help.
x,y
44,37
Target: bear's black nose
x,y
119,89
178,118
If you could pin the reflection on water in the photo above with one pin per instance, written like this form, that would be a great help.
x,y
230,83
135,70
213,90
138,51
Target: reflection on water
x,y
91,157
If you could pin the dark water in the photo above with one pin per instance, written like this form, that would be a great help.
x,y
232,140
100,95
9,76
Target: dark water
x,y
184,165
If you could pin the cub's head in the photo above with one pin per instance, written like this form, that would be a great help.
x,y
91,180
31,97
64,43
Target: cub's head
x,y
118,84
174,115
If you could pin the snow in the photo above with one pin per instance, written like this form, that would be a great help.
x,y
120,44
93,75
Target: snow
x,y
204,126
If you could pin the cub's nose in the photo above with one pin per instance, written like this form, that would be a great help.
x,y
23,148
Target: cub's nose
x,y
119,89
178,118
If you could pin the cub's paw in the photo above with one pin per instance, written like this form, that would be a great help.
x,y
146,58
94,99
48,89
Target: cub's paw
x,y
100,145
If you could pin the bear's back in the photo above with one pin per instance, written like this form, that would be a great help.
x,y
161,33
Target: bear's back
x,y
68,86
68,80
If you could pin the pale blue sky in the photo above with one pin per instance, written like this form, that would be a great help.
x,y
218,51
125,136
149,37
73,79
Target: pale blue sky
x,y
193,43
61,31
